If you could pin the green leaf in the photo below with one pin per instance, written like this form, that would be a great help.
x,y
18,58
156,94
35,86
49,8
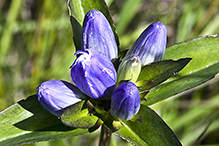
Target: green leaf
x,y
27,121
152,132
78,117
78,9
203,67
155,73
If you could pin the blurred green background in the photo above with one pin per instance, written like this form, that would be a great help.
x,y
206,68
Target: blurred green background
x,y
36,45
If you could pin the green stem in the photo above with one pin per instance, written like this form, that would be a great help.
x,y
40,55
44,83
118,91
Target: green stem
x,y
105,136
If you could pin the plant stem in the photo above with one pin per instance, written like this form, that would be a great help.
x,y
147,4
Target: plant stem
x,y
105,136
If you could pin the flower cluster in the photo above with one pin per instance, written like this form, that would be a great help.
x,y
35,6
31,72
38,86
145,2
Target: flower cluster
x,y
94,74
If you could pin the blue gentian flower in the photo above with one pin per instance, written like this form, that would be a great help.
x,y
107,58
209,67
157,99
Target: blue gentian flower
x,y
125,101
97,34
94,74
56,95
151,44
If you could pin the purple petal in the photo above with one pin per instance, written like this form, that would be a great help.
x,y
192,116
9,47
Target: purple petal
x,y
151,44
56,95
97,34
94,74
125,101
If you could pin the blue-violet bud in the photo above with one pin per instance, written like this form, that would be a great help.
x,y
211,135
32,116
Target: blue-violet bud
x,y
94,74
56,95
97,34
151,44
125,101
129,68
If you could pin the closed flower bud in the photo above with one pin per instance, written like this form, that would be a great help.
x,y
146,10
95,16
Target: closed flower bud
x,y
56,95
151,44
94,74
97,34
129,68
125,101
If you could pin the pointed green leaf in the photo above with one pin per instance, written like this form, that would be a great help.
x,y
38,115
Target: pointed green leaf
x,y
27,121
155,73
78,117
153,131
204,65
78,9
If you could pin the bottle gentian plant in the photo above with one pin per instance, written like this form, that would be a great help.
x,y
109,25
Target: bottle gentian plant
x,y
108,88
95,77
94,74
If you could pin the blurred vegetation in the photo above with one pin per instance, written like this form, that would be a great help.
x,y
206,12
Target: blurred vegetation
x,y
36,45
